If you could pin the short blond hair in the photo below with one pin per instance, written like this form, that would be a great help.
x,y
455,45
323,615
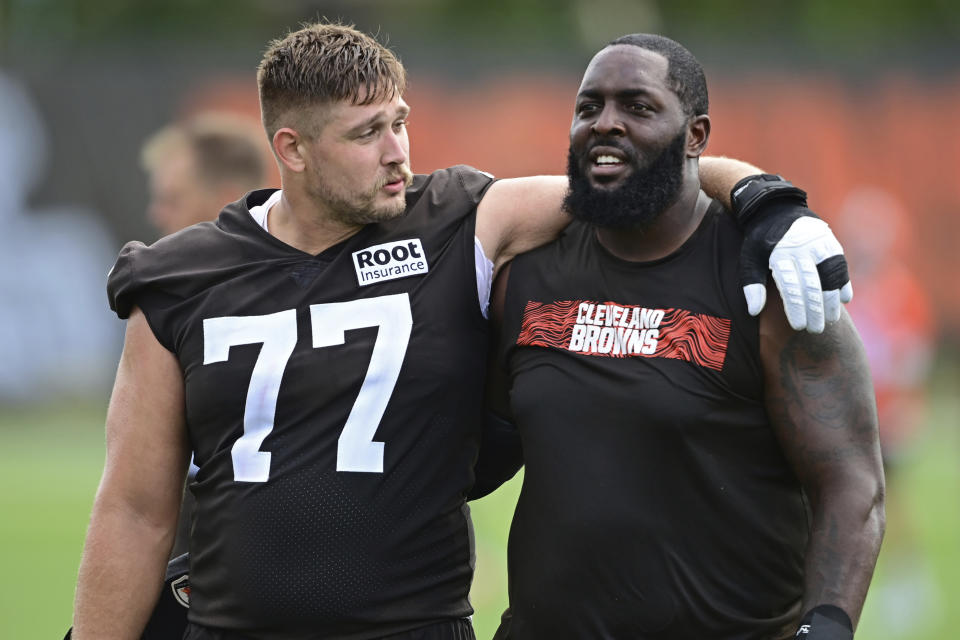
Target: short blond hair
x,y
323,63
226,148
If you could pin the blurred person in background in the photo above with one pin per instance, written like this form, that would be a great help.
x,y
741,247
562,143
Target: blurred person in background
x,y
895,318
691,471
321,348
893,314
197,166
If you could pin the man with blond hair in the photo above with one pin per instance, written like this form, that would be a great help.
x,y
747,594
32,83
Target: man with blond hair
x,y
321,349
196,166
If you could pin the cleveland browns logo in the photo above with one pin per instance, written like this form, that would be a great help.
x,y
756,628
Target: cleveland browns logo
x,y
619,331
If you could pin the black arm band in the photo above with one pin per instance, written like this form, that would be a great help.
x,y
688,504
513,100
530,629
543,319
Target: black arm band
x,y
752,192
825,622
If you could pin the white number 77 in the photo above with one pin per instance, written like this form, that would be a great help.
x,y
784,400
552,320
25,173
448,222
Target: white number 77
x,y
356,449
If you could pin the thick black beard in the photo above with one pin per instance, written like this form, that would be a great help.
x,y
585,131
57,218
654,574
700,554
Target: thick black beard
x,y
638,202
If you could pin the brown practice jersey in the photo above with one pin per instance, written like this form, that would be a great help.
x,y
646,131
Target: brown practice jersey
x,y
333,407
656,502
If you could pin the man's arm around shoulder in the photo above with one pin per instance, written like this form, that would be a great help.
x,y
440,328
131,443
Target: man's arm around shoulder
x,y
520,214
135,510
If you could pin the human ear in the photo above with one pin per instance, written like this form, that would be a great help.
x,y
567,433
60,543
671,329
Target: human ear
x,y
698,132
288,146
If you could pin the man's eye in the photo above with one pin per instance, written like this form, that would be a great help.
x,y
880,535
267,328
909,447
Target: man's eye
x,y
399,124
640,107
587,108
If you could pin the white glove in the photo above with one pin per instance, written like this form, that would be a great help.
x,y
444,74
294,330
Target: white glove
x,y
807,255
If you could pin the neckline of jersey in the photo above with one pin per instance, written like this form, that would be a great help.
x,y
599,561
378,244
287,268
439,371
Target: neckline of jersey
x,y
679,252
327,255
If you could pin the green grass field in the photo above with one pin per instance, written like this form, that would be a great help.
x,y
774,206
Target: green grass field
x,y
50,461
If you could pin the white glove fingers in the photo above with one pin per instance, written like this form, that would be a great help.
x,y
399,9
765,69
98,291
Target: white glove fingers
x,y
812,294
846,293
831,305
786,275
756,295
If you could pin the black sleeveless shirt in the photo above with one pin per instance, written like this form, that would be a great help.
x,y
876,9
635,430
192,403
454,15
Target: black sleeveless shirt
x,y
656,502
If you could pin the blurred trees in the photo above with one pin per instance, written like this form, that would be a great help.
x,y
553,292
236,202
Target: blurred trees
x,y
844,28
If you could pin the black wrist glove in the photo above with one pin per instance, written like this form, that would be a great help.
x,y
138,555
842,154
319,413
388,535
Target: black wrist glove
x,y
825,622
806,260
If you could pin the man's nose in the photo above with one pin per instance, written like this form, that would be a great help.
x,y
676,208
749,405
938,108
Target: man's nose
x,y
609,122
395,151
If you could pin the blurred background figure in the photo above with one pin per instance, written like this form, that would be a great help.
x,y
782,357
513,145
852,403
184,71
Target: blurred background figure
x,y
197,166
894,315
194,168
892,311
57,337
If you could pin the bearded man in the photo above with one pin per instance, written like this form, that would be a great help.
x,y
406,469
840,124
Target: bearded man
x,y
691,471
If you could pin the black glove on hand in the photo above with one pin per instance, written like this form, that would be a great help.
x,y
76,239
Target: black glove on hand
x,y
806,259
825,622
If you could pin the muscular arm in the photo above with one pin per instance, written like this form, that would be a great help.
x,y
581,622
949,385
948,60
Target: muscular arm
x,y
820,401
718,176
135,510
519,214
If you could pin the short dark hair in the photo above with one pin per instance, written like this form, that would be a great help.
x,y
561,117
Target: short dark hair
x,y
684,72
321,63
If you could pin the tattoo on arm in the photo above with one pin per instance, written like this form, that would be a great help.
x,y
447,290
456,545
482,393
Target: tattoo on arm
x,y
820,400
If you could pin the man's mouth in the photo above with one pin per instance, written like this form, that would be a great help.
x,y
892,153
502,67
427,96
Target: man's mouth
x,y
395,185
602,161
607,163
398,183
